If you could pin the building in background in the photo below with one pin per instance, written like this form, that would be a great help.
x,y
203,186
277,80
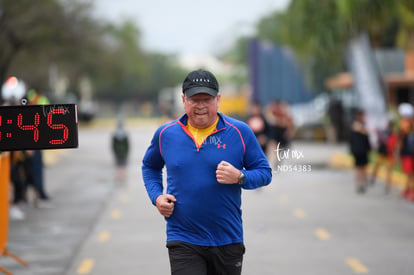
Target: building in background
x,y
275,74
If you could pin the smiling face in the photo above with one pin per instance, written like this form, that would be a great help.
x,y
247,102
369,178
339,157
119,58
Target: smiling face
x,y
201,109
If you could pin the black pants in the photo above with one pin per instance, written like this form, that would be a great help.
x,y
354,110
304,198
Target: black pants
x,y
19,185
188,259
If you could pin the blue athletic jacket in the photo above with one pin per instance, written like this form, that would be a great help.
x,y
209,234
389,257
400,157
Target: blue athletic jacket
x,y
206,212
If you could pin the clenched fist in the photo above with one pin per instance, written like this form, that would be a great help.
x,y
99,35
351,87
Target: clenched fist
x,y
165,204
227,173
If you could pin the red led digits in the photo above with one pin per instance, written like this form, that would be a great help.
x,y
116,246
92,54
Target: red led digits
x,y
30,127
38,127
58,111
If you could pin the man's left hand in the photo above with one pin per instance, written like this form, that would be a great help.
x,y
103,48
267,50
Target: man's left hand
x,y
227,173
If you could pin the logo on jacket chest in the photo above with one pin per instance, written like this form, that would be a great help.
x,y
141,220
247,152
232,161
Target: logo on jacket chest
x,y
216,141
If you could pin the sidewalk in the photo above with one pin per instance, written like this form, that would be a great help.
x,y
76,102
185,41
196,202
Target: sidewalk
x,y
79,182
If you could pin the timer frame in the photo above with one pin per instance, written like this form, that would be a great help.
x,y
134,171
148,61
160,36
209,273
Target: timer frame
x,y
38,127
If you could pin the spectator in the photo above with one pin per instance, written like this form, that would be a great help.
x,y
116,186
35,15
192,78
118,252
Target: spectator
x,y
336,119
360,148
406,148
120,149
387,142
258,123
20,175
281,127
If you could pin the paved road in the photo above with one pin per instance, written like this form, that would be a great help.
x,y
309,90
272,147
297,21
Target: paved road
x,y
305,222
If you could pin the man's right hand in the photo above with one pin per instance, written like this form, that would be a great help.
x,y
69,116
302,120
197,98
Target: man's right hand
x,y
165,204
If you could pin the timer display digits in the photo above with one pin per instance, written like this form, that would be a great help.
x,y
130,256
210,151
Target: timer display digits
x,y
29,127
58,126
38,127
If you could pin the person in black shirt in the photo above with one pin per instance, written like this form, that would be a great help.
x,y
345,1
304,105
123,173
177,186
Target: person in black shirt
x,y
120,149
258,123
360,148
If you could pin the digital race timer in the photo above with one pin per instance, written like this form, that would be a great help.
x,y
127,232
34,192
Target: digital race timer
x,y
38,127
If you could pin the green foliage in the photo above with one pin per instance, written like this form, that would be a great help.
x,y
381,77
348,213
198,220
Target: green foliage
x,y
38,35
319,31
405,37
272,28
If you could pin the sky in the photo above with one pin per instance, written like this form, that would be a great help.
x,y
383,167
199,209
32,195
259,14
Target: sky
x,y
189,26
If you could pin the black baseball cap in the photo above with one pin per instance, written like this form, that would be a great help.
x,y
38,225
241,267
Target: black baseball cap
x,y
200,81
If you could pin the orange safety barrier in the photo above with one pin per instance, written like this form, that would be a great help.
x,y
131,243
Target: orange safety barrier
x,y
4,209
4,199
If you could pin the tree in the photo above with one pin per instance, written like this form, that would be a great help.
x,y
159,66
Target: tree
x,y
121,68
37,35
405,37
320,31
62,34
22,27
